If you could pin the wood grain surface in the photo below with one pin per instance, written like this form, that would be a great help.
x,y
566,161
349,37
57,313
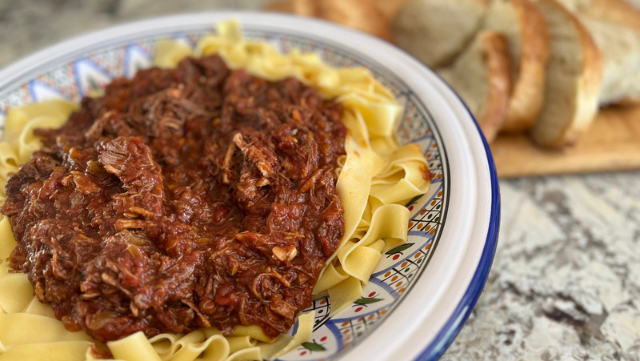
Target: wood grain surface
x,y
612,143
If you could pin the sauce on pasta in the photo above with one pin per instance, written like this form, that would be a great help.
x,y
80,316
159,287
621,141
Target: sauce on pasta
x,y
377,177
182,199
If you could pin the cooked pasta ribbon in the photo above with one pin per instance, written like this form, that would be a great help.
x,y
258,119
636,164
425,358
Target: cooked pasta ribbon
x,y
49,351
7,242
135,347
19,142
18,329
21,294
35,307
169,53
375,178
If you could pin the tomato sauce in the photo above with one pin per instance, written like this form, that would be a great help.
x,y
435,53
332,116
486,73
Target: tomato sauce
x,y
181,199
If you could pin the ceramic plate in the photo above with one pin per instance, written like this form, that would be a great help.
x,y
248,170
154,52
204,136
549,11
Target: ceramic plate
x,y
422,292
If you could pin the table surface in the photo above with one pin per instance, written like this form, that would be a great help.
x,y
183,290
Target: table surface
x,y
565,283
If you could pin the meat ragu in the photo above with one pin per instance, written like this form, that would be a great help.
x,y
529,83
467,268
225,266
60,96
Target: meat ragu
x,y
181,199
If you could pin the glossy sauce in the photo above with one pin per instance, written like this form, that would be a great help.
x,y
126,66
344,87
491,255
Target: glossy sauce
x,y
182,199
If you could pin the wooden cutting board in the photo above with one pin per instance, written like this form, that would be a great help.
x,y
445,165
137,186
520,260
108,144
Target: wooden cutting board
x,y
612,143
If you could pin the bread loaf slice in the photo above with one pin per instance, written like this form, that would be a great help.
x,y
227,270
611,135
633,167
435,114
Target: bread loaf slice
x,y
526,32
615,27
436,31
573,77
280,6
634,3
620,12
391,7
482,77
620,48
363,15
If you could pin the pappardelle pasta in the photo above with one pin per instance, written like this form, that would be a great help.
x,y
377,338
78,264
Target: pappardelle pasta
x,y
376,177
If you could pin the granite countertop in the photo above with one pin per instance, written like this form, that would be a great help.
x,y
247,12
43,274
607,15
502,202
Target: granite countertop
x,y
565,283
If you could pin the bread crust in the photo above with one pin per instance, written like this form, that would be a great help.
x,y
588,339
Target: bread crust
x,y
390,8
628,102
280,6
499,71
620,53
616,11
586,91
528,91
482,78
414,33
364,15
591,80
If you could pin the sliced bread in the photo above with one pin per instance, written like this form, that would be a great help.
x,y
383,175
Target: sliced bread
x,y
280,6
390,8
635,3
615,27
363,15
526,32
620,48
573,77
621,12
575,6
482,77
436,31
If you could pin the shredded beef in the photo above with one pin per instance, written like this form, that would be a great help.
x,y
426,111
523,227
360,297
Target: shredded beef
x,y
182,199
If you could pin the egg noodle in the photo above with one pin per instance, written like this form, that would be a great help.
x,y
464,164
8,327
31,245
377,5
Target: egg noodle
x,y
376,177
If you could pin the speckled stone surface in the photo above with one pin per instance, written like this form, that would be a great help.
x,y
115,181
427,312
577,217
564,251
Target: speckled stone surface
x,y
565,283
